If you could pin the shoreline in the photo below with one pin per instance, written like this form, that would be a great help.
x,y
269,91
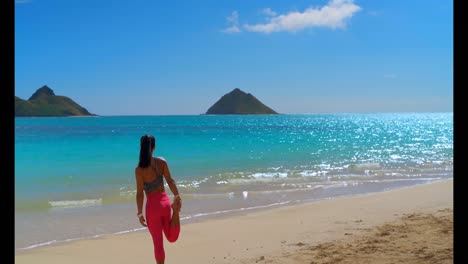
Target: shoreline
x,y
100,221
245,238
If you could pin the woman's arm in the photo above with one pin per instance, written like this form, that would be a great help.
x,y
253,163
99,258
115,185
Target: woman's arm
x,y
170,181
139,196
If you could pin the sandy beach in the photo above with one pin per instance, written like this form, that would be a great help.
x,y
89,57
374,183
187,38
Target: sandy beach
x,y
409,225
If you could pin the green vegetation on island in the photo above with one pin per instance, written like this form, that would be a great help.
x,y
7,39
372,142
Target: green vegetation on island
x,y
238,102
44,102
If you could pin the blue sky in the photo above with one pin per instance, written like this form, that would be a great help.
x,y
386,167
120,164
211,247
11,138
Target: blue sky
x,y
148,57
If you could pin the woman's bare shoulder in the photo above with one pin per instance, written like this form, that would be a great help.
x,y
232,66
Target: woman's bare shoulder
x,y
160,159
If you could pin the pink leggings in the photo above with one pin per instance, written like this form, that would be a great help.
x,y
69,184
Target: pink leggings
x,y
158,219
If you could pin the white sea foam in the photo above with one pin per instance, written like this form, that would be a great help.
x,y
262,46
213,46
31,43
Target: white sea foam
x,y
235,210
127,193
81,238
308,173
269,174
75,203
41,244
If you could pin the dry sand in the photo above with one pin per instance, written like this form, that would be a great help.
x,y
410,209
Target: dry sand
x,y
410,225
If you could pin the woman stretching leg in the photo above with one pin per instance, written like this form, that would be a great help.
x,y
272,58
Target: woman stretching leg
x,y
159,220
150,174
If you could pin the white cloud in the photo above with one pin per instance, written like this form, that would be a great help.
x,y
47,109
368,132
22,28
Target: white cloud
x,y
268,12
234,18
333,15
232,29
233,22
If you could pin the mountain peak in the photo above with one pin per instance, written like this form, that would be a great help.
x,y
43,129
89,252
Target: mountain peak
x,y
238,102
44,90
44,102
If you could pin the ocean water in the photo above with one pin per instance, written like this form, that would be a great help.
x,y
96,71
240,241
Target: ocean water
x,y
74,177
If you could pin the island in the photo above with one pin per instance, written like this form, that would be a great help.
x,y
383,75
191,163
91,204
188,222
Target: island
x,y
44,103
238,102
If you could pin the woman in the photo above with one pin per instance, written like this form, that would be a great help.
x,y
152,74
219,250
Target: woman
x,y
150,175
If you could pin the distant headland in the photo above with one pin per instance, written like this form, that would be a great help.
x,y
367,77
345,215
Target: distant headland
x,y
238,102
44,102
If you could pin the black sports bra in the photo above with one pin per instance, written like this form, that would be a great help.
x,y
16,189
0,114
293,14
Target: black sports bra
x,y
150,186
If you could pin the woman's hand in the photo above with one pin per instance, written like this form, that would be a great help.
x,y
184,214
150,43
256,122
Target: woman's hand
x,y
177,204
142,220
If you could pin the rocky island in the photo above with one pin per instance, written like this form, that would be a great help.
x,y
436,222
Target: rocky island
x,y
44,102
238,102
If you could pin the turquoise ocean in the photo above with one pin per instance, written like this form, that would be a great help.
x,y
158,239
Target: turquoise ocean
x,y
74,176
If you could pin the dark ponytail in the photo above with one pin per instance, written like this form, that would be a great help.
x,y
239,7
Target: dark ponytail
x,y
147,143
